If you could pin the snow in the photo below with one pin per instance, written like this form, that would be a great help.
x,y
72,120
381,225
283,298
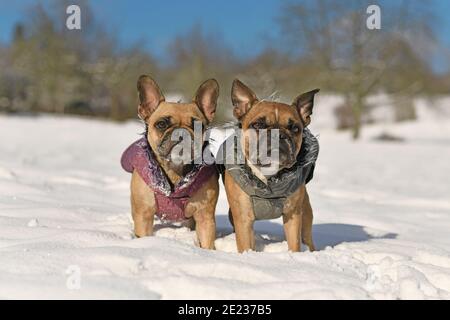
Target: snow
x,y
382,220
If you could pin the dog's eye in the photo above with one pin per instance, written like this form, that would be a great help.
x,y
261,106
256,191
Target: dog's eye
x,y
162,124
294,128
259,125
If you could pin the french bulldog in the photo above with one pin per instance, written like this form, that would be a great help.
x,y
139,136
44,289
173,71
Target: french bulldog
x,y
167,185
250,189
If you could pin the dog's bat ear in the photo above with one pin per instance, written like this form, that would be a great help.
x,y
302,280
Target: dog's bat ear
x,y
206,98
243,98
304,104
150,96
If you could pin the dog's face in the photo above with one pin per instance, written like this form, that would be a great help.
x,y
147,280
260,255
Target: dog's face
x,y
255,116
166,120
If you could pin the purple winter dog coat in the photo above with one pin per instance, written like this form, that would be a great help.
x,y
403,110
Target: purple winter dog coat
x,y
170,201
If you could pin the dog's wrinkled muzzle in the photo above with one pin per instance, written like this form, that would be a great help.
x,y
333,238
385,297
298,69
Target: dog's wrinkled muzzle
x,y
177,145
286,152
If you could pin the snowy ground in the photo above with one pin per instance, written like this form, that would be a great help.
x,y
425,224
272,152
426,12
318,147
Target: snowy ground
x,y
382,221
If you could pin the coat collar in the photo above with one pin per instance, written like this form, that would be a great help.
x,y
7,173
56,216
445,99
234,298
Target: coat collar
x,y
285,181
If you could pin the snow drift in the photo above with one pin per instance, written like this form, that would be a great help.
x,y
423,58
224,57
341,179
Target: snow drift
x,y
382,221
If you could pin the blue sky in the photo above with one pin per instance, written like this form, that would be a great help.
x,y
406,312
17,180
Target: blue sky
x,y
244,24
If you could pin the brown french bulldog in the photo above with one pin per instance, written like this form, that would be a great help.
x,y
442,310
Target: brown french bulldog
x,y
295,209
161,119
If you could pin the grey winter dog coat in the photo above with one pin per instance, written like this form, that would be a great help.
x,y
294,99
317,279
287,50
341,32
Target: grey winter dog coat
x,y
268,199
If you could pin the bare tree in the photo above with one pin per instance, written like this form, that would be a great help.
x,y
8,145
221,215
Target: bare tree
x,y
196,56
52,69
326,43
346,56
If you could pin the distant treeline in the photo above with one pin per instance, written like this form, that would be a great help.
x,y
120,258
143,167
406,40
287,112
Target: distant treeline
x,y
321,43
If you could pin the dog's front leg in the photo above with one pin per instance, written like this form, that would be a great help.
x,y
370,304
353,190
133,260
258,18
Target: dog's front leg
x,y
242,218
307,221
205,227
202,207
292,223
293,219
245,237
143,222
142,207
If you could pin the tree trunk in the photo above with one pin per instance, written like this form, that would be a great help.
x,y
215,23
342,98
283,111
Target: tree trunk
x,y
115,113
357,110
